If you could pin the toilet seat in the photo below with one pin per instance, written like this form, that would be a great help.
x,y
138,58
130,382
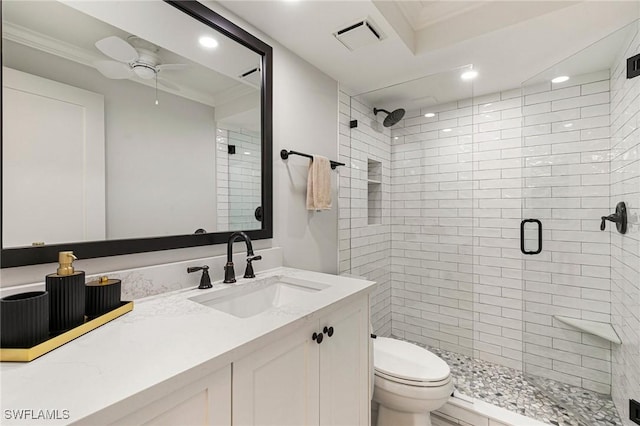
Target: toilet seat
x,y
409,383
415,383
409,364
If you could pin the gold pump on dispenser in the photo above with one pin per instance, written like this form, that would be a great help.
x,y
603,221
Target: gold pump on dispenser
x,y
66,258
66,295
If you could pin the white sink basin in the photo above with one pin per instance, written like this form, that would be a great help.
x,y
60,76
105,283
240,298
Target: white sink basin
x,y
253,298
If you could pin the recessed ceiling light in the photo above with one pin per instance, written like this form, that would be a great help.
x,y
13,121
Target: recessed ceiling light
x,y
469,75
395,138
429,115
560,79
567,125
446,130
208,42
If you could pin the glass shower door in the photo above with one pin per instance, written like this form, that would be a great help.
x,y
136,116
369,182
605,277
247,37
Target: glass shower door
x,y
569,113
411,212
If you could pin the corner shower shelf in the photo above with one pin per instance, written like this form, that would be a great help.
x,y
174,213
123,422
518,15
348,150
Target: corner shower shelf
x,y
600,329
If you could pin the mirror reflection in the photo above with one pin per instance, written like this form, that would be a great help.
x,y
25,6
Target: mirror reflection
x,y
114,128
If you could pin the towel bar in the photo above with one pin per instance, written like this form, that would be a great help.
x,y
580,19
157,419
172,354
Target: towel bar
x,y
284,154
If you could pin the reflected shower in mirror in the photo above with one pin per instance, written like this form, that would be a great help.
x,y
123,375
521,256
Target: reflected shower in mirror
x,y
115,128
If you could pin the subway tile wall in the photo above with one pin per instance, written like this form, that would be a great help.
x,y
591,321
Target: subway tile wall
x,y
365,248
625,250
565,172
222,178
432,217
458,183
238,177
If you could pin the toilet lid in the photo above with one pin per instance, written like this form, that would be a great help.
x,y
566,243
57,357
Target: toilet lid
x,y
407,361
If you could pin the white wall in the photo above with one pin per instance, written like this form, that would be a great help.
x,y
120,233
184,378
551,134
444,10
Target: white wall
x,y
305,119
146,144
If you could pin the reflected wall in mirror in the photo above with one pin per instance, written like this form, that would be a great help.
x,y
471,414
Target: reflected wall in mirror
x,y
131,121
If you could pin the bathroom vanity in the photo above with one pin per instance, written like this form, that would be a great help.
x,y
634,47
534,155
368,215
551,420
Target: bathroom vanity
x,y
211,357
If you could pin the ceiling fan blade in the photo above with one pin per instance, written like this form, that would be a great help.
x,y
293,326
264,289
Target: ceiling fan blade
x,y
172,67
118,49
113,69
168,85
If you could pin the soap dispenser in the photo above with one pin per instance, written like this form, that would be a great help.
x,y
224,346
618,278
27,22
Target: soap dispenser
x,y
66,295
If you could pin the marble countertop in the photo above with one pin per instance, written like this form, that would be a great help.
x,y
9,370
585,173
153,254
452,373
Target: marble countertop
x,y
166,340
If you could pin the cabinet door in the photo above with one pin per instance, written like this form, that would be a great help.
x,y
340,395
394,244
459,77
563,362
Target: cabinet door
x,y
344,366
278,384
205,402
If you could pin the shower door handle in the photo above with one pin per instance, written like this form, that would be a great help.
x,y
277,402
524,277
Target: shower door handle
x,y
522,225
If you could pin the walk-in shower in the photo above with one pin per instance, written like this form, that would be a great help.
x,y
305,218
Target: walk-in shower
x,y
479,216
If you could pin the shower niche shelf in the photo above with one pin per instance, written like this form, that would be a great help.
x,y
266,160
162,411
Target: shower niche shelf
x,y
600,329
374,192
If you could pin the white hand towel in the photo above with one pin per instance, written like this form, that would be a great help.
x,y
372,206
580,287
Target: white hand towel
x,y
319,184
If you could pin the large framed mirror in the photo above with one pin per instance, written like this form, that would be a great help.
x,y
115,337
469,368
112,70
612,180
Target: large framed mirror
x,y
131,126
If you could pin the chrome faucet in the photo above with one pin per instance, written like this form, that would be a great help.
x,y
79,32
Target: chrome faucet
x,y
229,272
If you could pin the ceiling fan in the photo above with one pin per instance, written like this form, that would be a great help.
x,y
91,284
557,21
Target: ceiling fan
x,y
134,57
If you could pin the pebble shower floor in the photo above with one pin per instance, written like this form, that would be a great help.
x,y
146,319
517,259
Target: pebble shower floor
x,y
542,399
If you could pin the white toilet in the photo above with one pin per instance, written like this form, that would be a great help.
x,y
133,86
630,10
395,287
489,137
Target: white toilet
x,y
409,383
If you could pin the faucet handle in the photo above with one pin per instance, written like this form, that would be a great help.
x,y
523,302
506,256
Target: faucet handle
x,y
205,280
619,218
248,272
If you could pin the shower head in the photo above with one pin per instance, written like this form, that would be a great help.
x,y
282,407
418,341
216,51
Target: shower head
x,y
392,117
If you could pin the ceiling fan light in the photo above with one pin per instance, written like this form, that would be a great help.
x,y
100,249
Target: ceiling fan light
x,y
144,72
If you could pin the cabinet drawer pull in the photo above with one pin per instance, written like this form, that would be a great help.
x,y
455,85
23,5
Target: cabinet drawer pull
x,y
328,331
317,337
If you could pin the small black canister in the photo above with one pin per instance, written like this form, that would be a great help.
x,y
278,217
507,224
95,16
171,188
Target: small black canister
x,y
24,319
103,295
66,295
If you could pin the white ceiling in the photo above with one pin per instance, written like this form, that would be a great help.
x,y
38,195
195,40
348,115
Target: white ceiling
x,y
72,33
508,42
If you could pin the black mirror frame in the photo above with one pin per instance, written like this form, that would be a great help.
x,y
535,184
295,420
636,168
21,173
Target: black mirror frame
x,y
24,256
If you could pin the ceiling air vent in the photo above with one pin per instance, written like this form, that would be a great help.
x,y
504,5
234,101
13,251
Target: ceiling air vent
x,y
360,34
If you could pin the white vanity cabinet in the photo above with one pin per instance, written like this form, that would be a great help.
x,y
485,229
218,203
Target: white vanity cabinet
x,y
205,402
298,381
176,361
